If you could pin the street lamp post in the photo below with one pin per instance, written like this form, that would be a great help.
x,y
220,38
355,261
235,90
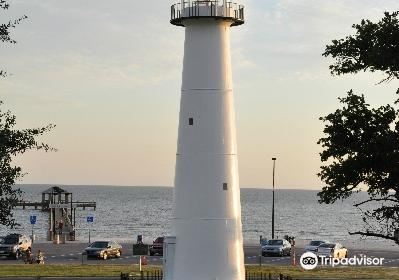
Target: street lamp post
x,y
274,167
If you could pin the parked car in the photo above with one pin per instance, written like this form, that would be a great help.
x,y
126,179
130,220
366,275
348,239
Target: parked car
x,y
332,250
157,247
279,247
104,250
313,245
14,244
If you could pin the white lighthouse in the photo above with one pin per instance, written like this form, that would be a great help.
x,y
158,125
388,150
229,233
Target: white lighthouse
x,y
207,195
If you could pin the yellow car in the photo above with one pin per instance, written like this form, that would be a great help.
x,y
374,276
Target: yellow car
x,y
104,250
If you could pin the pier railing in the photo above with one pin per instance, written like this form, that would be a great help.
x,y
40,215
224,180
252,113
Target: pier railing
x,y
47,205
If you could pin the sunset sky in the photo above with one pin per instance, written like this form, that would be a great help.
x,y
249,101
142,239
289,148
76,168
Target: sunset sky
x,y
108,74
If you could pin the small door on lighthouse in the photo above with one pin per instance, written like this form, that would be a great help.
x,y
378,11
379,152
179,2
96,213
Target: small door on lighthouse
x,y
168,256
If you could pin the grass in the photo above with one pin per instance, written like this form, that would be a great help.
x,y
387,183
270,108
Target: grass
x,y
329,272
115,270
66,270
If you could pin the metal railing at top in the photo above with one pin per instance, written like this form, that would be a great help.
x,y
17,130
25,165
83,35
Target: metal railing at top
x,y
216,8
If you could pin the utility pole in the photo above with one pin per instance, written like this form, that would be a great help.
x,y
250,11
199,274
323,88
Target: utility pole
x,y
274,167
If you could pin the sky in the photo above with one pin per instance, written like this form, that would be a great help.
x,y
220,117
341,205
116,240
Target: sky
x,y
108,75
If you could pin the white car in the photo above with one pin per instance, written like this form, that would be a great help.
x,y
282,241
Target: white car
x,y
313,245
332,250
14,244
278,247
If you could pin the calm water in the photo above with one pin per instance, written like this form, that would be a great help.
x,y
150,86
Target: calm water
x,y
124,212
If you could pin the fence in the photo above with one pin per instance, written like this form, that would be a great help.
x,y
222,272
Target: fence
x,y
265,276
143,275
158,275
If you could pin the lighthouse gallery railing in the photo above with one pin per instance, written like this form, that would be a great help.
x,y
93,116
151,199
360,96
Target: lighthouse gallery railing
x,y
216,9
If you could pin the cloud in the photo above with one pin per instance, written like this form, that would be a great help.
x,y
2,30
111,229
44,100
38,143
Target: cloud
x,y
285,37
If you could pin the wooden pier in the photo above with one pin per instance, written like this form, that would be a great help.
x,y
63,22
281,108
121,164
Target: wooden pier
x,y
45,206
62,210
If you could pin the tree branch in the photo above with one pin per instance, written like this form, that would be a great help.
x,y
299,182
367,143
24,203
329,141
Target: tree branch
x,y
375,199
368,233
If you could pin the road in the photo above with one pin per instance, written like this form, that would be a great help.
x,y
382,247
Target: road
x,y
71,253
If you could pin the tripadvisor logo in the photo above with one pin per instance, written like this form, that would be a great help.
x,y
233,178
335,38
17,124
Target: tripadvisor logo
x,y
310,261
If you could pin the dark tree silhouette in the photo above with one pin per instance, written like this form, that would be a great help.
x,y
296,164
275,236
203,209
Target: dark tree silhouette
x,y
5,30
374,47
360,143
12,143
361,149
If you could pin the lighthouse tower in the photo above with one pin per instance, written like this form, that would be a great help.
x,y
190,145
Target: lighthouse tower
x,y
207,196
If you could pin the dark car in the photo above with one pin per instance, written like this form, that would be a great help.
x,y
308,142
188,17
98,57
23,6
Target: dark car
x,y
104,250
157,247
14,244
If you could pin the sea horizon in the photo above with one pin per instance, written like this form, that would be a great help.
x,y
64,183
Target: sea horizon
x,y
123,212
277,188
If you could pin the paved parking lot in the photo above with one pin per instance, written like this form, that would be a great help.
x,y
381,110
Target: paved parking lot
x,y
71,253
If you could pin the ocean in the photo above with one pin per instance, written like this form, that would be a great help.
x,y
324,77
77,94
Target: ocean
x,y
124,212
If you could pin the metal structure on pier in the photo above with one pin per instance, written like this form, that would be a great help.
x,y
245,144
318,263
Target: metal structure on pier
x,y
61,207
